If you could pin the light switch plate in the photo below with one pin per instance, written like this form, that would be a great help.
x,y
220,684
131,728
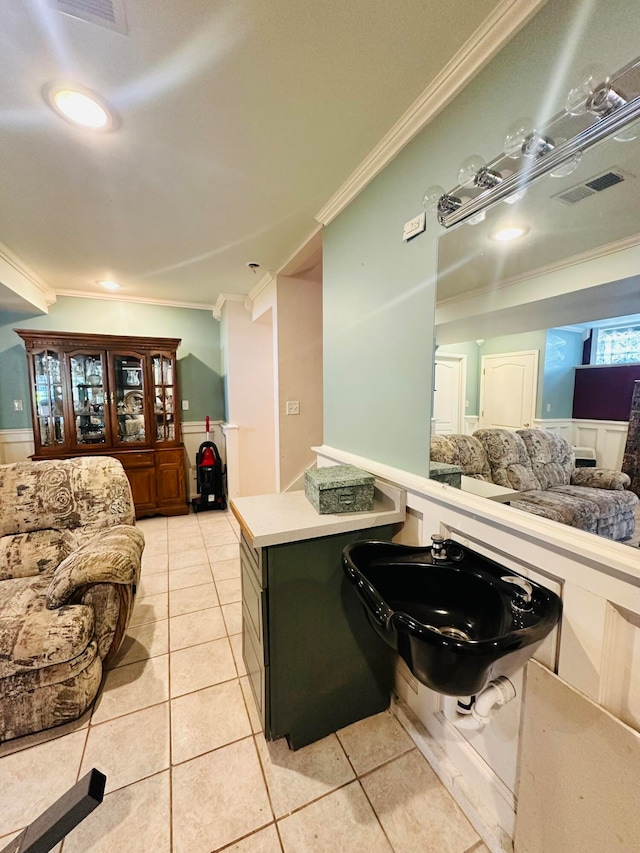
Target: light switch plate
x,y
414,226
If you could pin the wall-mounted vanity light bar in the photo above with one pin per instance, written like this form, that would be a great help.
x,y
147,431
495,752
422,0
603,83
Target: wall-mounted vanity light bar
x,y
600,108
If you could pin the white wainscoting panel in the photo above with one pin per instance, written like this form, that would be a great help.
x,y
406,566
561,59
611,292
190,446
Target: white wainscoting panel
x,y
620,691
562,425
16,445
607,438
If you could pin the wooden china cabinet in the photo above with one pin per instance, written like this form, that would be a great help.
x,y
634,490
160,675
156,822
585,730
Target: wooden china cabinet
x,y
111,395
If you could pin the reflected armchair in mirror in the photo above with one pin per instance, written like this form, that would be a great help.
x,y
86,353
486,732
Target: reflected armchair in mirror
x,y
539,467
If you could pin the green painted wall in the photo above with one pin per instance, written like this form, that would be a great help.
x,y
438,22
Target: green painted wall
x,y
559,351
563,354
379,292
199,367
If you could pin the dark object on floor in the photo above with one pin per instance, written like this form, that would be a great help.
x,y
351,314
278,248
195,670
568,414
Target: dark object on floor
x,y
59,819
209,477
631,459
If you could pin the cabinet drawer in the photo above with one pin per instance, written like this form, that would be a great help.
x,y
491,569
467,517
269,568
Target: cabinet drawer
x,y
253,558
135,460
256,670
253,605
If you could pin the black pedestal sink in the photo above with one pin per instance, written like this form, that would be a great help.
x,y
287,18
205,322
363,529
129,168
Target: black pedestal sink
x,y
455,617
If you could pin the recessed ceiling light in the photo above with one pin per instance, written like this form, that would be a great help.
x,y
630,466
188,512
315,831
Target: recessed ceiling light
x,y
79,106
109,285
509,232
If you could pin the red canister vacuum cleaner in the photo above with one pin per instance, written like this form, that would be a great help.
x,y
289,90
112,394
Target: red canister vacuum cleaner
x,y
209,477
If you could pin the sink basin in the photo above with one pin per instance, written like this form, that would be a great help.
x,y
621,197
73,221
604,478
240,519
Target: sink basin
x,y
457,622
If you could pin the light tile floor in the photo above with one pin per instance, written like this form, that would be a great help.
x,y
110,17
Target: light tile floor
x,y
176,732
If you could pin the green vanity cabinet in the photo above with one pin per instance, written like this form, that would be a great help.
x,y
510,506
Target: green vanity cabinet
x,y
314,663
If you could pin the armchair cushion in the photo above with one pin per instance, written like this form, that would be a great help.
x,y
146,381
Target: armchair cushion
x,y
462,450
600,478
32,637
551,455
64,495
112,556
508,458
33,553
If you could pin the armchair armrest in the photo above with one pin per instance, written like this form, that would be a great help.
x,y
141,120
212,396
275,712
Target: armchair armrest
x,y
600,478
112,556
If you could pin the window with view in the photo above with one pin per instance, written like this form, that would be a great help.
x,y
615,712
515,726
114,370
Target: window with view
x,y
617,345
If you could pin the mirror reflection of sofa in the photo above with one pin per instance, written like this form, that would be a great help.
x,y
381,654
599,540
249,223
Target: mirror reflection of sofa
x,y
70,560
540,466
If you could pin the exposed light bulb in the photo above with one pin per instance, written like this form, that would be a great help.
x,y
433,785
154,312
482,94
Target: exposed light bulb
x,y
516,134
477,218
568,167
593,77
516,197
469,169
431,198
628,133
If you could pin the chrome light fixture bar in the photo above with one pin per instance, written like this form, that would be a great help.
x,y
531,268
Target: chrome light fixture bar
x,y
612,106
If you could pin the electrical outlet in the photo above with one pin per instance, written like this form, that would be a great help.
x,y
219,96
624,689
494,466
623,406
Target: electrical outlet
x,y
548,407
185,405
293,407
17,405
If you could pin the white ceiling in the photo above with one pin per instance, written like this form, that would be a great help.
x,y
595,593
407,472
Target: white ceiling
x,y
239,120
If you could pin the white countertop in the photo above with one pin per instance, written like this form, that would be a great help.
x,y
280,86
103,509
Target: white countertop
x,y
289,517
486,490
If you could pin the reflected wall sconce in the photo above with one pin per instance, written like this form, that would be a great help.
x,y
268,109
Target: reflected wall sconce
x,y
599,107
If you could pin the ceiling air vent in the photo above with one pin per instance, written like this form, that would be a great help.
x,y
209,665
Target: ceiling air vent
x,y
593,186
104,13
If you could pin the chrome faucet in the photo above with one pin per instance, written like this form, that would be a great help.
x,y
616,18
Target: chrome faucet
x,y
438,551
522,593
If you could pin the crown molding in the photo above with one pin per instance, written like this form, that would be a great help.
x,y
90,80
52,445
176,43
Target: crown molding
x,y
267,279
26,275
589,255
142,300
226,297
502,24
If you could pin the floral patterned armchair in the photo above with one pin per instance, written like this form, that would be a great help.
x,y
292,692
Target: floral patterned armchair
x,y
69,566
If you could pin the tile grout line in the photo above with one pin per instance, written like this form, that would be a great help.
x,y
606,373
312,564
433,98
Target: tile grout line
x,y
170,718
359,781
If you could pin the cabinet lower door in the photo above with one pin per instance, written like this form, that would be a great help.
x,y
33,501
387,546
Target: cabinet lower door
x,y
170,480
140,470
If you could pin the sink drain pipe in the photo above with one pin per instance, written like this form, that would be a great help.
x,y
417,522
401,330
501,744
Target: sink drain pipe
x,y
474,712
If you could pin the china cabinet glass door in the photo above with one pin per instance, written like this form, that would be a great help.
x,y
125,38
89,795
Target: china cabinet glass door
x,y
128,399
163,368
47,369
88,398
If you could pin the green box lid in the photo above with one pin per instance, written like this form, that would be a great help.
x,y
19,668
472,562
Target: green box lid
x,y
338,476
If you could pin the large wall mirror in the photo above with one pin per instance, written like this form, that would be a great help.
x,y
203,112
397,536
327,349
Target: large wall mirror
x,y
549,296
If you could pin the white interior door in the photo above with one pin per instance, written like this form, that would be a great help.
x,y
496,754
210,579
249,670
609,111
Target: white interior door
x,y
448,394
508,389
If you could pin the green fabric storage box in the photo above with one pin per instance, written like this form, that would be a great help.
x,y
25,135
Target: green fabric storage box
x,y
339,488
